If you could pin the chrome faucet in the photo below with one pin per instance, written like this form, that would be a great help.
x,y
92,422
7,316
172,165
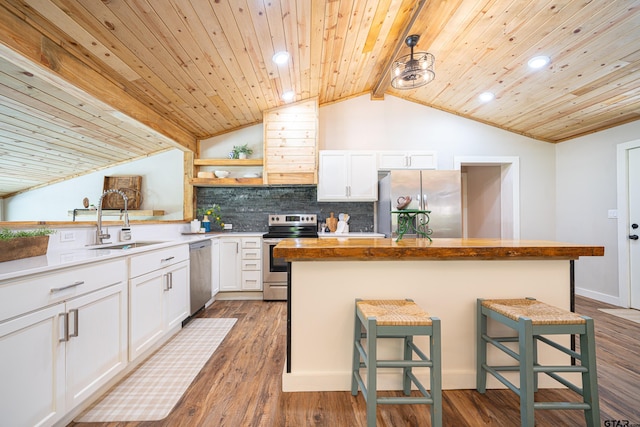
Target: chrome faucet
x,y
126,230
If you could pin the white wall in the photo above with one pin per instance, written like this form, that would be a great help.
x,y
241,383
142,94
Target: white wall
x,y
586,190
162,188
396,124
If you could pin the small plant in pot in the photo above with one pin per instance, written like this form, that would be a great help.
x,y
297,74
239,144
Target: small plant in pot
x,y
241,151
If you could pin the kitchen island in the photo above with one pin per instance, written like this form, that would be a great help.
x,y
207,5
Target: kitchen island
x,y
444,277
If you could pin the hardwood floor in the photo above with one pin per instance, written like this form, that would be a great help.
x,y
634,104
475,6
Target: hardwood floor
x,y
240,385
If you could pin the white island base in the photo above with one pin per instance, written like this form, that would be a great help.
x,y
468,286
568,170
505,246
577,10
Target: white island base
x,y
322,314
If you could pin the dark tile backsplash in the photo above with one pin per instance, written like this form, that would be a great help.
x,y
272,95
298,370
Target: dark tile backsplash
x,y
247,208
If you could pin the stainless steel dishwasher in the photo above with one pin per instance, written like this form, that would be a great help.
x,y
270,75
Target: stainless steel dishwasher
x,y
200,266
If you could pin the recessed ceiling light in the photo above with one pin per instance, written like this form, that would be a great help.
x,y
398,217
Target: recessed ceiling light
x,y
281,57
486,96
538,61
288,96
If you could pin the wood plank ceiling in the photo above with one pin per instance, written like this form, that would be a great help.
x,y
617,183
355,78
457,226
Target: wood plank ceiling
x,y
191,69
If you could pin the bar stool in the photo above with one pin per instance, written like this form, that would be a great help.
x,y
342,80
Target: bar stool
x,y
396,319
532,319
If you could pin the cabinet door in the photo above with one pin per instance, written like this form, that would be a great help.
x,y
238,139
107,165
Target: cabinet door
x,y
388,160
363,184
230,264
392,160
333,173
215,267
145,316
176,295
422,160
32,368
97,346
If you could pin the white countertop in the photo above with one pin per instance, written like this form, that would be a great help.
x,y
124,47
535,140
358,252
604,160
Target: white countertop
x,y
64,258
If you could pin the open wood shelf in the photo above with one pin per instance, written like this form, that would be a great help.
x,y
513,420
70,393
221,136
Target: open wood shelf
x,y
228,162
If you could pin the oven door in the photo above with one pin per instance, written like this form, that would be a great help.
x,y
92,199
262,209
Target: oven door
x,y
273,269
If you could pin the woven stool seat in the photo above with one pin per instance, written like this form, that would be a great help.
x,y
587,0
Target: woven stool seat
x,y
396,320
539,312
394,312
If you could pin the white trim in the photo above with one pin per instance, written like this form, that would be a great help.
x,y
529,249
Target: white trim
x,y
598,296
624,286
510,177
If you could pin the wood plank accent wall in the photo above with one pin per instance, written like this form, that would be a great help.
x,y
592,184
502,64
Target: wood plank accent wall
x,y
291,144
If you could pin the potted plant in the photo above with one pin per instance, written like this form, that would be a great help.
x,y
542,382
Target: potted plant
x,y
212,213
23,244
241,151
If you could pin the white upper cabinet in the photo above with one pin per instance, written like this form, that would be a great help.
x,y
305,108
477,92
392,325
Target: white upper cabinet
x,y
388,160
347,176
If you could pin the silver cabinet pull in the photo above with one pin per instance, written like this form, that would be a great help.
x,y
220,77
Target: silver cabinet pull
x,y
75,322
62,288
170,280
65,320
167,259
166,282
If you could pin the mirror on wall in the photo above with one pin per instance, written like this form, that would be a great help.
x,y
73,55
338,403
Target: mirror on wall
x,y
162,190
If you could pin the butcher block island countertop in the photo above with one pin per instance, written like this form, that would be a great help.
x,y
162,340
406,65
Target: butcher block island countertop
x,y
423,249
445,277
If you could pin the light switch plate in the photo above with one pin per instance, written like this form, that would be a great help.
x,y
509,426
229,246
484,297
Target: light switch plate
x,y
228,226
612,213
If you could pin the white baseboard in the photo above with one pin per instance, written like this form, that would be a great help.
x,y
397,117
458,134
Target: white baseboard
x,y
598,296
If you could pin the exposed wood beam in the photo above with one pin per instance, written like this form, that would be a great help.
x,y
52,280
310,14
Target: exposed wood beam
x,y
383,80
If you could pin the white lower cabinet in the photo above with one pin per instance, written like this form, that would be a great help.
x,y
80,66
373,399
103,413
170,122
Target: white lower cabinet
x,y
32,369
251,264
230,257
70,344
240,263
97,346
159,297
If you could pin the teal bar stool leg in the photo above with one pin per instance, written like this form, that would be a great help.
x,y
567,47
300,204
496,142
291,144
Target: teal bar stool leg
x,y
526,343
436,374
590,379
372,357
408,352
481,349
357,338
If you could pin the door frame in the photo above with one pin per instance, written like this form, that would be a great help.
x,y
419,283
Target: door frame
x,y
509,177
624,279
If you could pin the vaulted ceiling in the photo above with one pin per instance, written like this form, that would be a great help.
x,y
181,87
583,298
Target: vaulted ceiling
x,y
85,84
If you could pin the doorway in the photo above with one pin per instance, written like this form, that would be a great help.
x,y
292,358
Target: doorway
x,y
628,164
491,186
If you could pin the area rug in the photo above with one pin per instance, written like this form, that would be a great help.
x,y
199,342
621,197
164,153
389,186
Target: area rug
x,y
154,388
625,313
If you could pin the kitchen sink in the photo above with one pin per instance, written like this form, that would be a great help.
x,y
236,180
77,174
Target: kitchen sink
x,y
129,245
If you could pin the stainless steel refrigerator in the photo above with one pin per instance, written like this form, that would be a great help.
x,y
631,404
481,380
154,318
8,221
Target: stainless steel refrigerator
x,y
438,191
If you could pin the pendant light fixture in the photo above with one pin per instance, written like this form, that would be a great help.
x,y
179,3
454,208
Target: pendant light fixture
x,y
413,70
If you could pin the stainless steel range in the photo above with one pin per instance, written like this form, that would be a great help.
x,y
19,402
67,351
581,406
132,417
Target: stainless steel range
x,y
274,270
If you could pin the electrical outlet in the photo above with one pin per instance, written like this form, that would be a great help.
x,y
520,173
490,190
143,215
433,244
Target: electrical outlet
x,y
612,213
228,226
67,236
